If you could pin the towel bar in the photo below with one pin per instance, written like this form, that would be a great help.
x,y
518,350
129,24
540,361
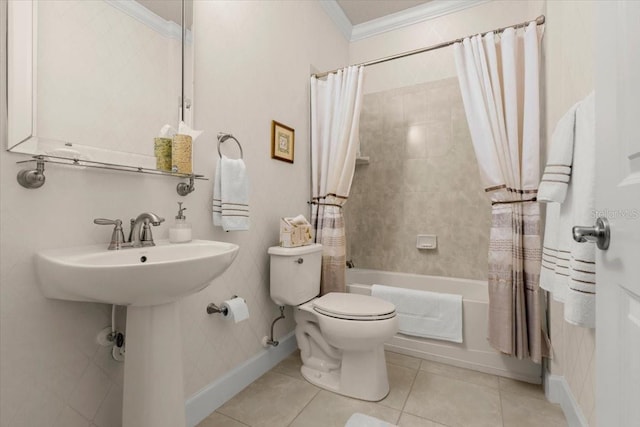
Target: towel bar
x,y
222,137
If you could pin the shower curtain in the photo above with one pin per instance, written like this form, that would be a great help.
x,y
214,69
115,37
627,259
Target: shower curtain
x,y
499,80
335,116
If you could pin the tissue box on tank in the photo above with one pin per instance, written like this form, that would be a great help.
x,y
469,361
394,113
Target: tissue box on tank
x,y
295,232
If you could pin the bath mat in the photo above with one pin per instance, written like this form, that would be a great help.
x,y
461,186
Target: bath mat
x,y
361,420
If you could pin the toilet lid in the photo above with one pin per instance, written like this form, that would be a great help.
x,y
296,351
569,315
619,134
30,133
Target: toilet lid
x,y
354,307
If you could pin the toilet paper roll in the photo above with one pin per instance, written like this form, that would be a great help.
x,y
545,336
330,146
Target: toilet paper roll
x,y
237,309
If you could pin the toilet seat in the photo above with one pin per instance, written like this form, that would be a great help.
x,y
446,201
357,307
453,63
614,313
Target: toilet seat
x,y
353,307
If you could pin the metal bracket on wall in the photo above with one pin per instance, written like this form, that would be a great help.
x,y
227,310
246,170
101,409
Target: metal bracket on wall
x,y
34,178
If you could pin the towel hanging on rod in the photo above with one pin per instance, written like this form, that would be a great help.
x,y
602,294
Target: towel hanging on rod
x,y
222,137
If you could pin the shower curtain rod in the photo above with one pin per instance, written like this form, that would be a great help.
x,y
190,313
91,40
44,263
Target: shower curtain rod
x,y
539,21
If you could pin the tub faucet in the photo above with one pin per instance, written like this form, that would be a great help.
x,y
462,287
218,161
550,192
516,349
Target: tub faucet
x,y
144,237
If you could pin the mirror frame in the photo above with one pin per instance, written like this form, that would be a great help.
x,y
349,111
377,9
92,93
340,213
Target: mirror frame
x,y
21,77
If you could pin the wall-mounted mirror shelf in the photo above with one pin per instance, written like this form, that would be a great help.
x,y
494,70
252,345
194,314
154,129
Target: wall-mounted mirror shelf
x,y
101,76
34,178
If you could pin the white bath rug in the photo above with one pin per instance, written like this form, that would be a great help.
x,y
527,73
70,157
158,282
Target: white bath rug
x,y
361,420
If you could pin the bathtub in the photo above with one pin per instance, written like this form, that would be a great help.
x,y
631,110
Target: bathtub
x,y
474,352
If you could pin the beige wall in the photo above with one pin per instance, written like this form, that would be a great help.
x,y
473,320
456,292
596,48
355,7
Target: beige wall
x,y
422,179
569,64
253,61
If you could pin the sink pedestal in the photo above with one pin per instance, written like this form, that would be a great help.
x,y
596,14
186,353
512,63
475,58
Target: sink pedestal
x,y
153,381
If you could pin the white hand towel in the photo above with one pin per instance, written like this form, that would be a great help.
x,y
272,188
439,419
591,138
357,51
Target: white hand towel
x,y
557,173
217,191
234,194
581,293
425,314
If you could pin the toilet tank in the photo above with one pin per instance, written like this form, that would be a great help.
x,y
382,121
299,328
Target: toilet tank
x,y
295,274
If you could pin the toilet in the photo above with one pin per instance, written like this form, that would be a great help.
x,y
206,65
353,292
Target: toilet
x,y
340,335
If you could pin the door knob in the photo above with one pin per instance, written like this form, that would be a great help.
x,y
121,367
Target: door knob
x,y
599,233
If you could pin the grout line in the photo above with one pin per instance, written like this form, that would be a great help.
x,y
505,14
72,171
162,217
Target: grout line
x,y
410,390
305,406
501,411
225,415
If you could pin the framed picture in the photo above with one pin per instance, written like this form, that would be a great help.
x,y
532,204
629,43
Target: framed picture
x,y
282,142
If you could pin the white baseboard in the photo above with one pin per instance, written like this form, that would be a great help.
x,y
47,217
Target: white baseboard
x,y
557,391
202,404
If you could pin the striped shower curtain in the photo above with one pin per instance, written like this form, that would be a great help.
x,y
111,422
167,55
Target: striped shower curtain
x,y
335,116
499,80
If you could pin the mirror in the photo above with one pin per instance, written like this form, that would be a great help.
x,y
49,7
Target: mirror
x,y
97,80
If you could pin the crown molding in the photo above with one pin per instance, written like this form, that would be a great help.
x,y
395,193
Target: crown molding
x,y
340,20
404,18
140,13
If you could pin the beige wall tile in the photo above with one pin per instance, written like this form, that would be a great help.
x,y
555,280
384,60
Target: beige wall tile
x,y
422,179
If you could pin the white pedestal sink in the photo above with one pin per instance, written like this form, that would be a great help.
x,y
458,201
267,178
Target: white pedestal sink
x,y
149,281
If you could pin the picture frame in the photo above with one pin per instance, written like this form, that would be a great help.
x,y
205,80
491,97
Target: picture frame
x,y
282,142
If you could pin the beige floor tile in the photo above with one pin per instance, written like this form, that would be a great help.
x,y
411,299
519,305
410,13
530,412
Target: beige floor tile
x,y
332,410
218,420
522,411
400,381
402,360
408,420
290,366
468,375
515,386
453,402
273,400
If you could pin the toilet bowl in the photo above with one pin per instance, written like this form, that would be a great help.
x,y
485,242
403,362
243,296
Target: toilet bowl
x,y
340,336
355,364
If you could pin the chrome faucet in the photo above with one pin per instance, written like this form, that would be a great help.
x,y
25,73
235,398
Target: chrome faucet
x,y
139,234
144,237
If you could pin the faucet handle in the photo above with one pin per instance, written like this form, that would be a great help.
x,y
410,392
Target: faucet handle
x,y
104,221
117,237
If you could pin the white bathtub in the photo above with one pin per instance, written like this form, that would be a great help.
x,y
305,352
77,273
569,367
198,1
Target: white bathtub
x,y
474,352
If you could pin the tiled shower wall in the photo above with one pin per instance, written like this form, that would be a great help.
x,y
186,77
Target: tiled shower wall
x,y
422,178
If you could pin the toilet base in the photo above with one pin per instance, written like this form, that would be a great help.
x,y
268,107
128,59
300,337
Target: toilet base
x,y
363,375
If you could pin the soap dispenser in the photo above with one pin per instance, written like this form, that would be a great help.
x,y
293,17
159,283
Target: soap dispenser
x,y
180,231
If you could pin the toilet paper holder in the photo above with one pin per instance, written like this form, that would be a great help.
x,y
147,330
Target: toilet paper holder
x,y
212,308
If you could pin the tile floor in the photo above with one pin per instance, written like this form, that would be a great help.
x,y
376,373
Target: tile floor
x,y
423,394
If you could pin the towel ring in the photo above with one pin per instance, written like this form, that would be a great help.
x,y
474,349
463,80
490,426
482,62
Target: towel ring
x,y
222,137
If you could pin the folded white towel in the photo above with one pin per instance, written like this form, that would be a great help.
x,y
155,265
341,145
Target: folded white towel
x,y
231,195
557,173
581,293
217,201
425,314
568,267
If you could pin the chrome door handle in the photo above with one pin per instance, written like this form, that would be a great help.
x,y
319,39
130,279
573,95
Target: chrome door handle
x,y
599,234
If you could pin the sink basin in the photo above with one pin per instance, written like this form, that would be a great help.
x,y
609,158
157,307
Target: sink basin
x,y
136,276
149,281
